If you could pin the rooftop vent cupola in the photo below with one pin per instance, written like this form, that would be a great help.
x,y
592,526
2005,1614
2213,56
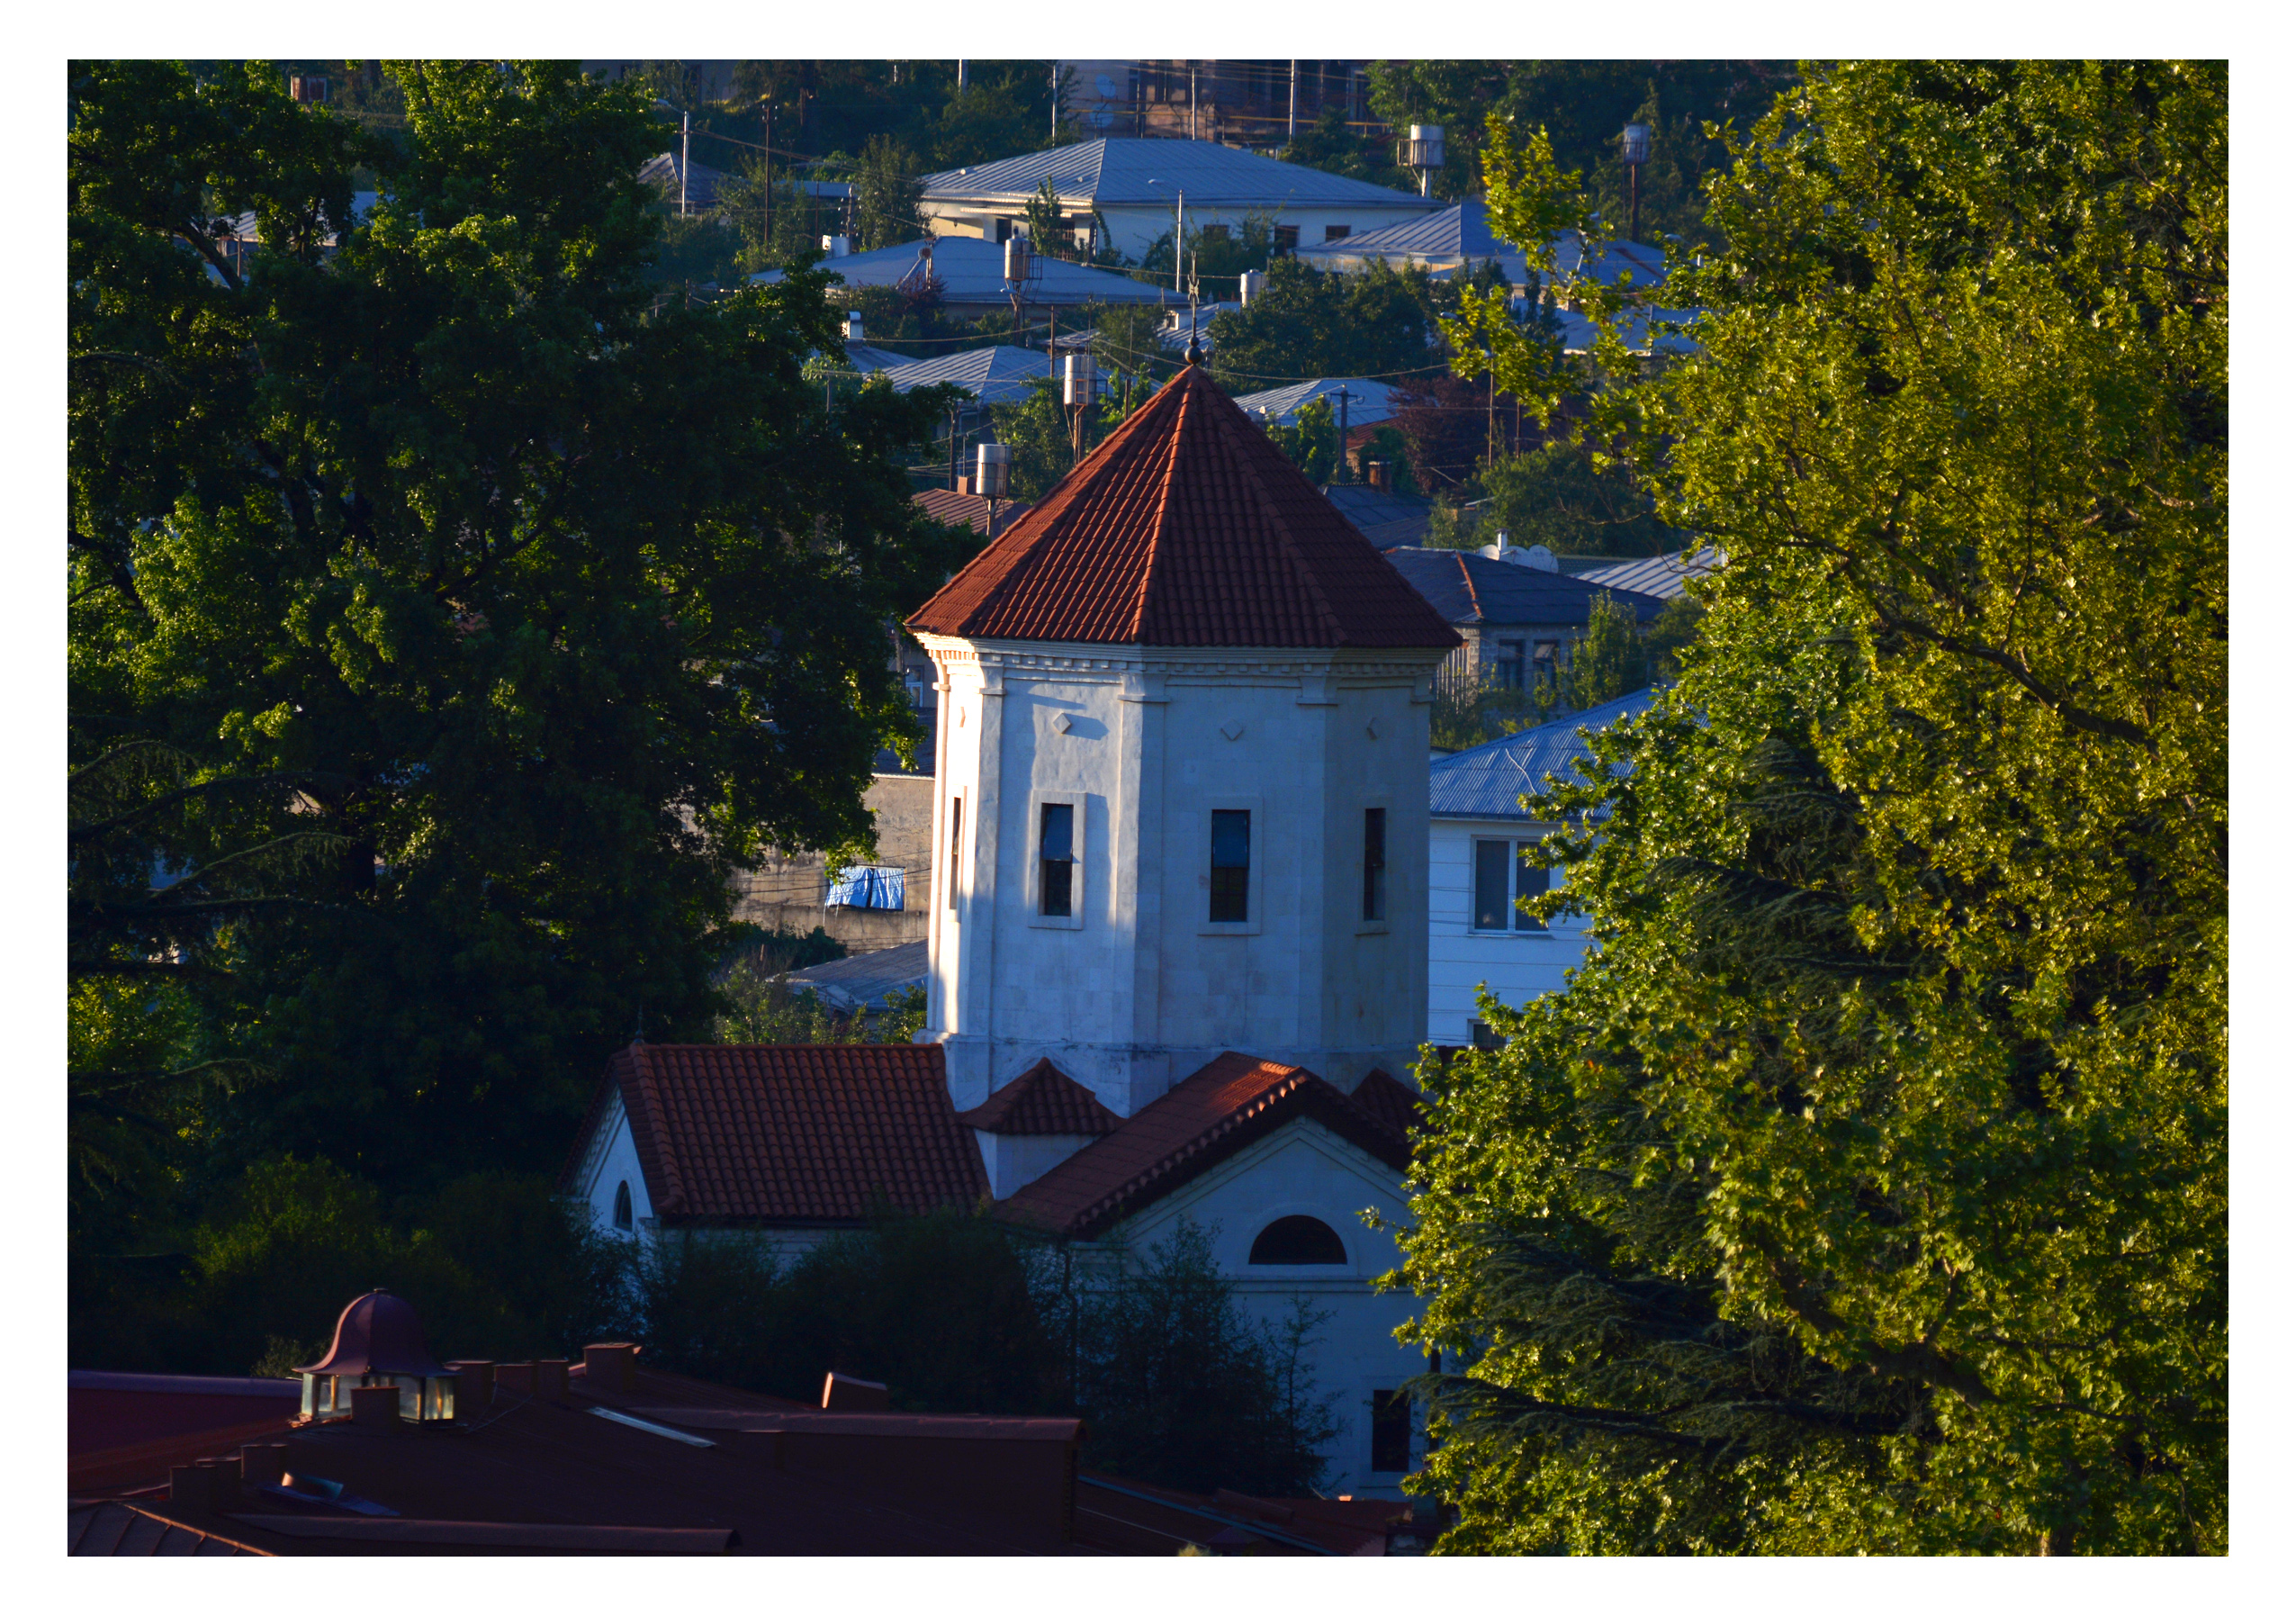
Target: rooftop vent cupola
x,y
379,1342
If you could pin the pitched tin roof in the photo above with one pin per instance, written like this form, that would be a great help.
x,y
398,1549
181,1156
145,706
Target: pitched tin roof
x,y
1468,588
1186,526
1043,1099
972,272
1368,401
1461,234
792,1131
1198,1123
1659,576
1389,520
1115,172
1489,782
995,376
965,510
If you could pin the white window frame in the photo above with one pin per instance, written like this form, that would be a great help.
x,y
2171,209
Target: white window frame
x,y
1255,885
1515,842
1079,846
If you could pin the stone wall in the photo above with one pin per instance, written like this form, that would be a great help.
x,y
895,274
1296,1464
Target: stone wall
x,y
785,894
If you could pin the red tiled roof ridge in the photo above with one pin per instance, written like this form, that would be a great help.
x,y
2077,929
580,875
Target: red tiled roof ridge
x,y
1042,1100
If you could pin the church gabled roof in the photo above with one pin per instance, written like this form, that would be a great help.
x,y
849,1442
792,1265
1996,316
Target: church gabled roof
x,y
796,1133
1043,1099
1187,526
1200,1123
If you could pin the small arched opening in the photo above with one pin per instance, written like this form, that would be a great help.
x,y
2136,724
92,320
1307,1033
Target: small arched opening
x,y
623,1218
1298,1239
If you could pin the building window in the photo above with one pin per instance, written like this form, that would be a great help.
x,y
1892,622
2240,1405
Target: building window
x,y
956,844
1547,657
1215,232
1481,1036
1287,240
1298,1239
1056,842
622,1216
1375,863
1507,667
1505,871
1231,864
1334,232
1391,1430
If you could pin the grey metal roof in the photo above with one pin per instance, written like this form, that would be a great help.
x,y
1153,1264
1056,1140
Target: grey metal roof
x,y
1387,519
1461,234
1634,329
995,376
972,271
1659,575
1113,173
1470,589
864,981
1489,782
1368,401
861,357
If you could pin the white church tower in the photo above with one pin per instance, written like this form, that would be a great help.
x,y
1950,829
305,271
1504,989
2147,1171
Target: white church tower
x,y
1182,798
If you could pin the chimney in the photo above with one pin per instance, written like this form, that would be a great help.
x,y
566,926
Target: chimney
x,y
515,1377
844,1395
375,1407
965,486
473,1388
263,1464
610,1366
550,1378
1375,473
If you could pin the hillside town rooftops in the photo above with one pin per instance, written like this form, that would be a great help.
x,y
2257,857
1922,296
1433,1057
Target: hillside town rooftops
x,y
1186,526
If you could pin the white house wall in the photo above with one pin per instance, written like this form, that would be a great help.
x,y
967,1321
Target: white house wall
x,y
1141,990
1303,1168
1519,966
616,1164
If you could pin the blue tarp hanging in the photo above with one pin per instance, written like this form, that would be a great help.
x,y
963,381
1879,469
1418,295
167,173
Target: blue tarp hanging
x,y
869,887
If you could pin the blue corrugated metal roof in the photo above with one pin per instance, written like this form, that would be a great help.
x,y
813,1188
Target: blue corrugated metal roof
x,y
1461,234
1114,173
1634,329
1489,782
1368,401
1470,589
1659,575
995,376
972,271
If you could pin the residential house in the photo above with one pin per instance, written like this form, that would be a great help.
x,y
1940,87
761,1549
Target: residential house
x,y
1517,621
1137,187
1661,577
1482,857
971,272
1459,237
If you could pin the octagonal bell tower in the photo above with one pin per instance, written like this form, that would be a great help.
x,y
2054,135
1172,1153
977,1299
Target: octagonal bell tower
x,y
1180,804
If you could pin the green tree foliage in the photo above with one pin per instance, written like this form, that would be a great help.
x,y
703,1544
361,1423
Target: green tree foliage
x,y
1177,1386
448,621
828,108
1866,1191
886,194
1037,432
1312,442
1609,660
1557,496
1583,106
1308,324
1329,144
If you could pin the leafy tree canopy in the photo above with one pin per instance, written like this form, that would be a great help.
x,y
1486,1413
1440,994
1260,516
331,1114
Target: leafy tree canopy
x,y
1866,1190
1308,324
450,614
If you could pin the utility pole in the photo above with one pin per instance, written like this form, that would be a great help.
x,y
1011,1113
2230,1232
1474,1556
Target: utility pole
x,y
766,208
685,156
1056,104
1343,395
960,75
1292,118
1191,100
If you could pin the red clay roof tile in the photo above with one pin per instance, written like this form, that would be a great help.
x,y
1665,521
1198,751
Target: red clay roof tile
x,y
1202,1121
1187,526
797,1132
1389,1101
1043,1099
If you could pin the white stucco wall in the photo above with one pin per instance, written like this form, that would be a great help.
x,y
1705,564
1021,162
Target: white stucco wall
x,y
1519,966
612,1159
1303,1167
1139,989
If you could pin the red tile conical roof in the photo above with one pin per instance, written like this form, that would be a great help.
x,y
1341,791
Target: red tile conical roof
x,y
1187,526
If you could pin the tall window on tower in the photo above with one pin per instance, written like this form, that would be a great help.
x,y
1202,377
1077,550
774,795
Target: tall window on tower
x,y
956,844
1375,863
1056,844
1231,864
1505,871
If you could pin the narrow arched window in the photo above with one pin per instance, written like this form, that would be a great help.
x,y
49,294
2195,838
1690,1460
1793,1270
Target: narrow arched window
x,y
1298,1239
622,1218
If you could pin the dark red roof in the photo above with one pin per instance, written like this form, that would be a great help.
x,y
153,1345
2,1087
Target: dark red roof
x,y
1205,1120
966,510
377,1334
1043,1099
1187,526
1389,1102
794,1132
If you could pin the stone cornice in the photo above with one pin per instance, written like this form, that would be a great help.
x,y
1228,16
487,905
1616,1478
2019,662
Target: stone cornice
x,y
1113,663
